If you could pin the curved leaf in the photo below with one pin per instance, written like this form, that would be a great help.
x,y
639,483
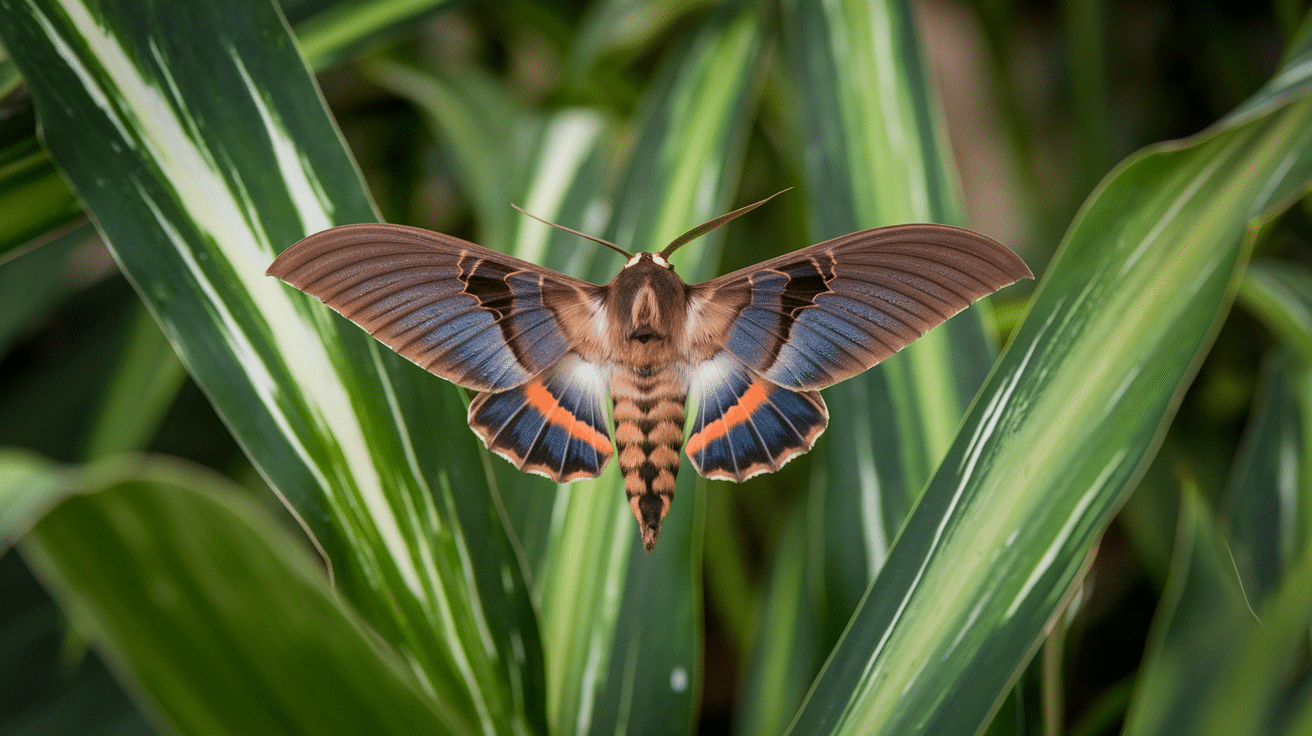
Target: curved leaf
x,y
210,179
239,611
1063,427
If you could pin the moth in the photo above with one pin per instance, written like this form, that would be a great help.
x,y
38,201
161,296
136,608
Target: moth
x,y
548,354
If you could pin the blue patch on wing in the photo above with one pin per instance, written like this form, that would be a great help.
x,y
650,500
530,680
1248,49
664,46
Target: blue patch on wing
x,y
814,322
490,331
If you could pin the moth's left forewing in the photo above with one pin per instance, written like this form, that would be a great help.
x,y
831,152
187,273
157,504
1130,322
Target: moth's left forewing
x,y
814,317
766,338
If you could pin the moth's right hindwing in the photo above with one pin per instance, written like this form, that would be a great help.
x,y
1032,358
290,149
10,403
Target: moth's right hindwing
x,y
553,425
475,317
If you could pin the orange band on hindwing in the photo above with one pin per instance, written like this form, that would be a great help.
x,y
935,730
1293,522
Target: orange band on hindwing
x,y
540,398
747,425
554,425
740,412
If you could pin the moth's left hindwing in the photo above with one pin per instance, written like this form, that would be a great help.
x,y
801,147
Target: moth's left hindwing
x,y
480,319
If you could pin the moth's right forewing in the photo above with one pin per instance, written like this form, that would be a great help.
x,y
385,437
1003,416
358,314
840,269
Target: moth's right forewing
x,y
478,318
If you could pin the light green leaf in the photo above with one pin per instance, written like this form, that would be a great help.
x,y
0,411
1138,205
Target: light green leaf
x,y
337,28
1069,418
1280,294
875,154
239,611
1269,499
1203,614
9,76
880,158
28,488
33,198
622,28
1214,665
195,212
475,118
787,650
609,667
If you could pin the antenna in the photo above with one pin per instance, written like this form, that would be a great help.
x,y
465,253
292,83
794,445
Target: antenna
x,y
571,231
710,225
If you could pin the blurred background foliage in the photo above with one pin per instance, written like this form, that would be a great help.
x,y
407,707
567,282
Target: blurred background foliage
x,y
1041,101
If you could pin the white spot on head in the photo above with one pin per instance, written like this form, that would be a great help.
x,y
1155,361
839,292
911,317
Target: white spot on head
x,y
655,258
678,679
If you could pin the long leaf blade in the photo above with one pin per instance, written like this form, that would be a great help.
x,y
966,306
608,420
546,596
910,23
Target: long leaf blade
x,y
630,664
877,154
239,612
1066,422
195,213
868,108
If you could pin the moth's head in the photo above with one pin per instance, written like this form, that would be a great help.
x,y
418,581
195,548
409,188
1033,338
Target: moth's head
x,y
647,305
655,259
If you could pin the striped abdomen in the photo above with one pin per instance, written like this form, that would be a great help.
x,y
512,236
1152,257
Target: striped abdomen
x,y
649,409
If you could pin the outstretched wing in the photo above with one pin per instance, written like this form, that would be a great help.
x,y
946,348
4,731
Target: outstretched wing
x,y
478,318
814,317
744,424
553,425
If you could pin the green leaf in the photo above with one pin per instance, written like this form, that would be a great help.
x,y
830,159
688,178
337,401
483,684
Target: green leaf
x,y
9,76
62,688
195,213
1214,665
33,282
787,651
1066,422
1269,501
33,198
475,118
334,30
28,488
239,611
140,391
1280,294
876,154
866,107
1203,613
623,28
631,663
